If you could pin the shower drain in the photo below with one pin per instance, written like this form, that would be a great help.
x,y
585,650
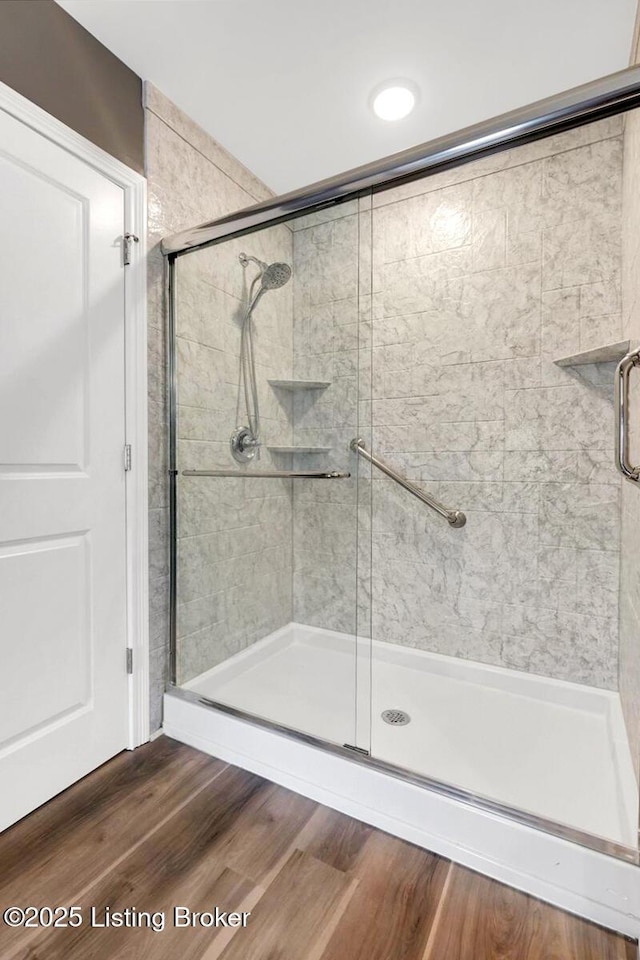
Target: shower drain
x,y
397,718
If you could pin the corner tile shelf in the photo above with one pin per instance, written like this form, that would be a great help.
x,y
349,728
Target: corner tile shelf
x,y
295,385
299,449
608,353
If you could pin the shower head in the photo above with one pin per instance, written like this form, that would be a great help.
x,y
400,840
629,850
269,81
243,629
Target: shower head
x,y
271,276
275,275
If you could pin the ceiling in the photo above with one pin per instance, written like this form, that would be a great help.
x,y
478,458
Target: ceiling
x,y
285,84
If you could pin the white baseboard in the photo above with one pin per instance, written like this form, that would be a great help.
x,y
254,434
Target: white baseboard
x,y
567,875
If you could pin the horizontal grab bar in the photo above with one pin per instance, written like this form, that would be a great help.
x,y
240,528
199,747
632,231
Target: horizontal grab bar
x,y
271,474
455,517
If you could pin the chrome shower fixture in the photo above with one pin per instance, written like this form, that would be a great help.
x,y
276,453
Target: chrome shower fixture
x,y
276,275
272,275
245,440
245,259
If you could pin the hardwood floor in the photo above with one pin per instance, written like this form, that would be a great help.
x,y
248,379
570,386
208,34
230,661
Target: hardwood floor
x,y
168,827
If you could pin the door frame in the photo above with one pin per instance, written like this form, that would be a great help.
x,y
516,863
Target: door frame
x,y
134,186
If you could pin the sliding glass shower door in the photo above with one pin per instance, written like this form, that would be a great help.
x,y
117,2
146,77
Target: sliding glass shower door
x,y
497,319
266,402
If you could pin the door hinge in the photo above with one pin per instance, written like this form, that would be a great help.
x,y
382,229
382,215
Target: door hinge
x,y
127,240
127,456
129,660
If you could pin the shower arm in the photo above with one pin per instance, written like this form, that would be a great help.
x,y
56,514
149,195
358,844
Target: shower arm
x,y
455,517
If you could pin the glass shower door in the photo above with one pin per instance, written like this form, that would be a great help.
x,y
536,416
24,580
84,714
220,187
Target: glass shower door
x,y
495,645
266,345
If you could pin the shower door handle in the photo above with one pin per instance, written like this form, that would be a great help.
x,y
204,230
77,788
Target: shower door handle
x,y
623,370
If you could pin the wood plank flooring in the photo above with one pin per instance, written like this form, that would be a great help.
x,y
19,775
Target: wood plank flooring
x,y
167,826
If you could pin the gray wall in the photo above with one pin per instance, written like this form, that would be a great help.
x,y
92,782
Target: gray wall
x,y
49,58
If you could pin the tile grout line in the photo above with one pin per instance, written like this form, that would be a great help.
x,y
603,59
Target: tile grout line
x,y
436,920
76,896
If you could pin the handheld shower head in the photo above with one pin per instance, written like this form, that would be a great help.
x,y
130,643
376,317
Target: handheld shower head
x,y
275,275
271,276
245,440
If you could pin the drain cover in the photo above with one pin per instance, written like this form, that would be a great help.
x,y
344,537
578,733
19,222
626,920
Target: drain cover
x,y
398,718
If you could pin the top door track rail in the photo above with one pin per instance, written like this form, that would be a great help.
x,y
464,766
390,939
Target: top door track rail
x,y
455,517
590,101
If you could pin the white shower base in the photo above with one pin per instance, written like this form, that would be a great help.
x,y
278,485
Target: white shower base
x,y
554,749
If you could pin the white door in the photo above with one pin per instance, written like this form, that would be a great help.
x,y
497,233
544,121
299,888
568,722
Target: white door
x,y
63,680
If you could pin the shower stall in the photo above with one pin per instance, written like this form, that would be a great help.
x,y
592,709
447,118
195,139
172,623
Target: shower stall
x,y
405,512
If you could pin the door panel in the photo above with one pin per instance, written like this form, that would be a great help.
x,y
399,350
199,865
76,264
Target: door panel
x,y
56,570
63,684
47,341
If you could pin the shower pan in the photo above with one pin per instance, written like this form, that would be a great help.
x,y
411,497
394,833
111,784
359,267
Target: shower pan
x,y
419,603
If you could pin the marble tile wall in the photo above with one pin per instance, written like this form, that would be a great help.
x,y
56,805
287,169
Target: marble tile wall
x,y
481,277
234,535
192,179
325,347
630,537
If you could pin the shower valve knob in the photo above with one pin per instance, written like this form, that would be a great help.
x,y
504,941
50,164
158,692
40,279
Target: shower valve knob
x,y
243,444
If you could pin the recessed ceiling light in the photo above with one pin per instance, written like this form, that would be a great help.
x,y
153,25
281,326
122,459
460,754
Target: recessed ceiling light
x,y
394,99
